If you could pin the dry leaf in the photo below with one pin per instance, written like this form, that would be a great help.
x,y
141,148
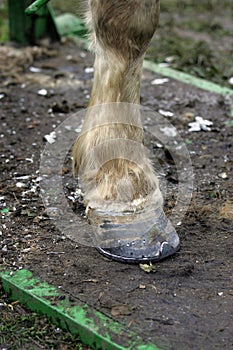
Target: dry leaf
x,y
120,310
147,268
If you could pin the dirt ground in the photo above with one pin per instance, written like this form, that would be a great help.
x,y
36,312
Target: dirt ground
x,y
186,303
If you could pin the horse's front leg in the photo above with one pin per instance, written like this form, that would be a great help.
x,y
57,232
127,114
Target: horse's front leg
x,y
121,189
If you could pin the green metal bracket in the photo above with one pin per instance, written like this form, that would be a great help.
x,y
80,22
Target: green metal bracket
x,y
31,20
26,29
66,24
35,6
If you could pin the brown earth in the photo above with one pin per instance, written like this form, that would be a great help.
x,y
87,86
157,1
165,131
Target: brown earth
x,y
187,302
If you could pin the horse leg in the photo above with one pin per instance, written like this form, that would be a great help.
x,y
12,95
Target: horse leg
x,y
114,182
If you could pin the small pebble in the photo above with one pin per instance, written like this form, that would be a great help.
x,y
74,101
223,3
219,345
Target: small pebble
x,y
42,92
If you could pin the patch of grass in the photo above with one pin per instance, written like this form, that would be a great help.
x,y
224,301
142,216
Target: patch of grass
x,y
22,329
200,25
193,57
198,6
4,27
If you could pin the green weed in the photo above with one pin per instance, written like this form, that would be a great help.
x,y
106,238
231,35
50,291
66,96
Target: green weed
x,y
4,30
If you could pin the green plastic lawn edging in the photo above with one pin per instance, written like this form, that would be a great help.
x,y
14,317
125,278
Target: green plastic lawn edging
x,y
94,328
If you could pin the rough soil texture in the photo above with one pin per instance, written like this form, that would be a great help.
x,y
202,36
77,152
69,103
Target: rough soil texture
x,y
186,303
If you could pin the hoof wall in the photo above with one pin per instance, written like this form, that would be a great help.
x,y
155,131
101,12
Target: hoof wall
x,y
150,238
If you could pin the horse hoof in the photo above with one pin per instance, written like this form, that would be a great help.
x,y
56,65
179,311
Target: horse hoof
x,y
150,238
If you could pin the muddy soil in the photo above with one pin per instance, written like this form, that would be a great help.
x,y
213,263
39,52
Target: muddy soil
x,y
186,302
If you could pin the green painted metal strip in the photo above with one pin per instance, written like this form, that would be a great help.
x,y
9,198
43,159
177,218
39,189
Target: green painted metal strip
x,y
187,78
35,6
94,328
